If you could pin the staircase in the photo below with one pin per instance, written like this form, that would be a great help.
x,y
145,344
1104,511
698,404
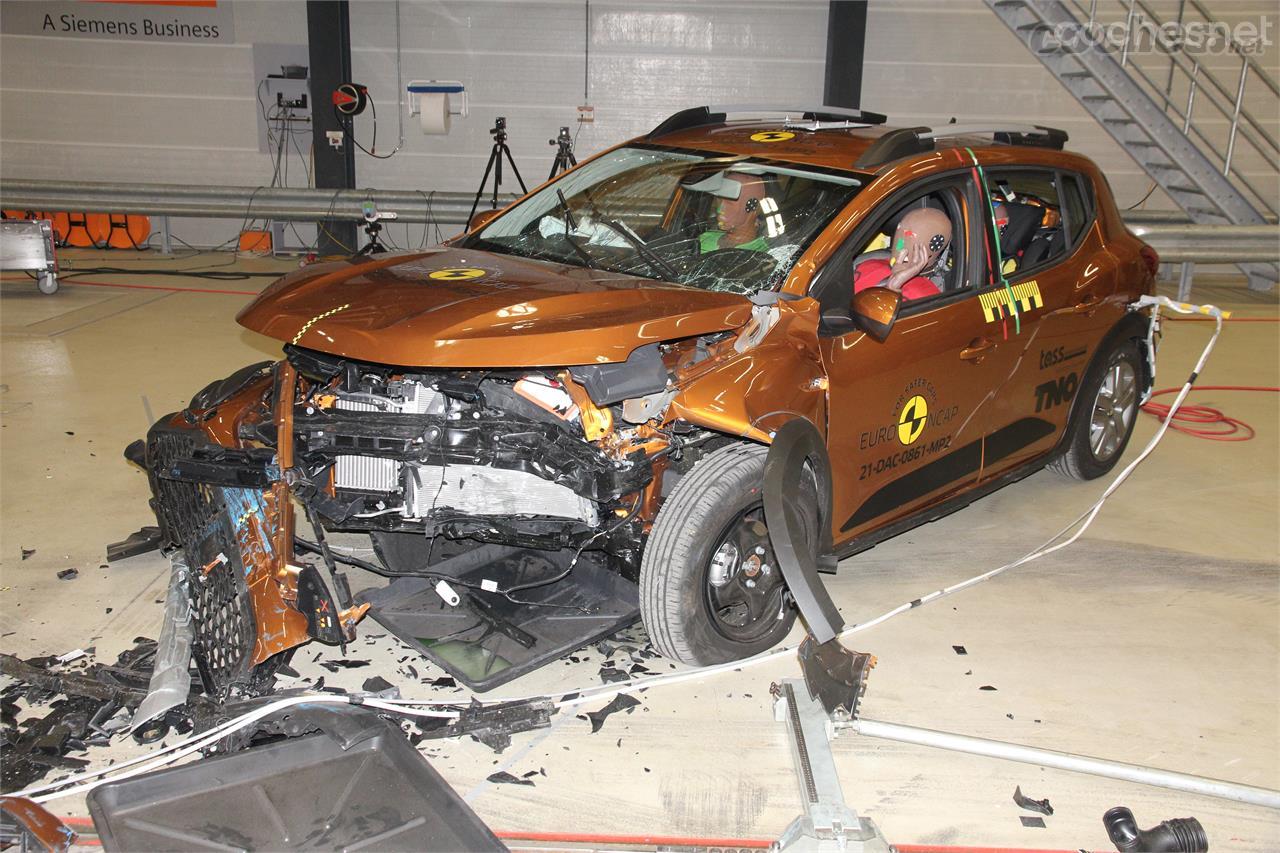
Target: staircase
x,y
1161,104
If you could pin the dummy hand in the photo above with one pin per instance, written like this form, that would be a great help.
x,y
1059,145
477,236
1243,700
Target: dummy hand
x,y
909,264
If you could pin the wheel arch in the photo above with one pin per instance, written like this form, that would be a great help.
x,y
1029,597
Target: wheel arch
x,y
1132,326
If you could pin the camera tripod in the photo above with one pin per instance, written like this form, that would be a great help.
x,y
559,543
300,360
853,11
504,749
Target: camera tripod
x,y
499,134
564,153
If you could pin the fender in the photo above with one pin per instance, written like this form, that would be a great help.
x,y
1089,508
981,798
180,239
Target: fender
x,y
798,442
752,393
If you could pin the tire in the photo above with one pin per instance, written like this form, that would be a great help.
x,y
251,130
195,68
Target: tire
x,y
718,504
1100,429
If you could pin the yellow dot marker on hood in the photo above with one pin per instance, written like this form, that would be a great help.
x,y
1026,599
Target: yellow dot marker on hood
x,y
772,136
456,274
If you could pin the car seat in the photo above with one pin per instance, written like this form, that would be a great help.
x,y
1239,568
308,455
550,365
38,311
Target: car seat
x,y
1023,221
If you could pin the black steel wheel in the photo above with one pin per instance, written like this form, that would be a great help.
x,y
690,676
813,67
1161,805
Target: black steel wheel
x,y
711,589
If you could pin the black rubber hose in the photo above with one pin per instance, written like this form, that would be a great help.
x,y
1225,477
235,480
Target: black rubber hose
x,y
1181,835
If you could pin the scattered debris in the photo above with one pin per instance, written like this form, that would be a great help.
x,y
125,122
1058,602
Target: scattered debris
x,y
74,654
343,663
502,777
85,709
27,552
612,675
986,687
444,681
1033,822
378,684
1024,802
68,574
960,650
140,542
621,702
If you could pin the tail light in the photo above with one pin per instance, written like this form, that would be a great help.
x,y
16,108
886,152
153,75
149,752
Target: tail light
x,y
1151,258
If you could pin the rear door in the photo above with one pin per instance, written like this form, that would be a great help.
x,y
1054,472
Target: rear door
x,y
1058,273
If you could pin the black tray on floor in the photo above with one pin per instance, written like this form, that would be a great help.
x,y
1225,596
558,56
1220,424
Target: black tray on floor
x,y
360,786
487,640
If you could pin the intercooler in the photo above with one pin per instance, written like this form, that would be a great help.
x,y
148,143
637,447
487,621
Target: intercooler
x,y
469,489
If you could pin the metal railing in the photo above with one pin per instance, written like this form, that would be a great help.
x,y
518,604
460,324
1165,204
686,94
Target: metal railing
x,y
1202,86
1168,232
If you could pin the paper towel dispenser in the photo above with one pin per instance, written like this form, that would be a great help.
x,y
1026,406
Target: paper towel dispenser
x,y
435,101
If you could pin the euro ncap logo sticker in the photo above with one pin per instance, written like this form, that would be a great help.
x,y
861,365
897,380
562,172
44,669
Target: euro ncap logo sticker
x,y
456,274
772,136
912,419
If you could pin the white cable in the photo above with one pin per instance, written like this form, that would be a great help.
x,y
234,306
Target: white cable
x,y
171,753
598,692
1046,548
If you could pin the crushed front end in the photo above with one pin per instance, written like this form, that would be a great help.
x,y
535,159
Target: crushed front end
x,y
498,483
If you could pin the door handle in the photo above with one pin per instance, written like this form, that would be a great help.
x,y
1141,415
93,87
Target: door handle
x,y
1087,306
978,349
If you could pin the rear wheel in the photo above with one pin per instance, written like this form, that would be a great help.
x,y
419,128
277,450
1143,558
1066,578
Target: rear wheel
x,y
711,589
1100,430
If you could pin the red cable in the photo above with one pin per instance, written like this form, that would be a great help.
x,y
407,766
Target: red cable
x,y
1229,429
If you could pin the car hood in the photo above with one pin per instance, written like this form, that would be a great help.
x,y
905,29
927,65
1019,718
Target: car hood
x,y
462,308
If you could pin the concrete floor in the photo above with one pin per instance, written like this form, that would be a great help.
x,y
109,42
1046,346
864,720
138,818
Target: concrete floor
x,y
1153,640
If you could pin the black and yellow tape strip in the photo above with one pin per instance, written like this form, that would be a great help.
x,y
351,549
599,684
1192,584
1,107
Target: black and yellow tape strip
x,y
996,304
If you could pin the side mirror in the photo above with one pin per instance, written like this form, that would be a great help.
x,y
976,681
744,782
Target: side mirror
x,y
875,310
482,218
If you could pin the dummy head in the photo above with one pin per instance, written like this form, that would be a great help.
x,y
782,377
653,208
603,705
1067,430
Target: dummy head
x,y
925,227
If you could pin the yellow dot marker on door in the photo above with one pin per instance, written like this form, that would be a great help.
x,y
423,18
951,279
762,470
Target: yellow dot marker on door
x,y
912,420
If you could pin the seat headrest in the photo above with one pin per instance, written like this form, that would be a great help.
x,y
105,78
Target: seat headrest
x,y
1023,221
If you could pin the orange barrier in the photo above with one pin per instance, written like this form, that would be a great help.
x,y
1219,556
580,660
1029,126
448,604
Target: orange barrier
x,y
93,230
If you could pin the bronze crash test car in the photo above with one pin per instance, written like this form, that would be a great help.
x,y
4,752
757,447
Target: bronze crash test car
x,y
560,419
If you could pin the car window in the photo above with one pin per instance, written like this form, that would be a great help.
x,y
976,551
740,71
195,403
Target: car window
x,y
711,221
1028,212
877,254
1076,208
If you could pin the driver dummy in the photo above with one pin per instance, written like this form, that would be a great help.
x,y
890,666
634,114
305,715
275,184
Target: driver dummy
x,y
738,219
918,242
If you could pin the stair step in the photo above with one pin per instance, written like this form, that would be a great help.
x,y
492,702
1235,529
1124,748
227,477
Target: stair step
x,y
1118,121
1209,210
1143,143
1096,98
1181,188
1008,4
1077,74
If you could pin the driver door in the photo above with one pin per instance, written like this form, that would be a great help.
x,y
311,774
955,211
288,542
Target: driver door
x,y
907,415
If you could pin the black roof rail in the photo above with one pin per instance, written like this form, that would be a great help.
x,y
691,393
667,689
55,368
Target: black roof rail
x,y
703,116
907,141
894,145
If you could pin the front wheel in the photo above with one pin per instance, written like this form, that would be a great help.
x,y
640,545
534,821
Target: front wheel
x,y
1101,427
711,589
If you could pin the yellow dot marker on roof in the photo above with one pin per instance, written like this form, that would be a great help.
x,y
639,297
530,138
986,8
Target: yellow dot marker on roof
x,y
456,274
772,136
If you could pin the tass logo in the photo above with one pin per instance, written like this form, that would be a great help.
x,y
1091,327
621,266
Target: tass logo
x,y
1055,392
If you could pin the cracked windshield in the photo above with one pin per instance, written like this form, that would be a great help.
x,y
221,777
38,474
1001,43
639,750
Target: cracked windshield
x,y
715,222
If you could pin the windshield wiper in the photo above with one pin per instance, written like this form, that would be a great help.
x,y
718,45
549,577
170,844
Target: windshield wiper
x,y
623,230
571,224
